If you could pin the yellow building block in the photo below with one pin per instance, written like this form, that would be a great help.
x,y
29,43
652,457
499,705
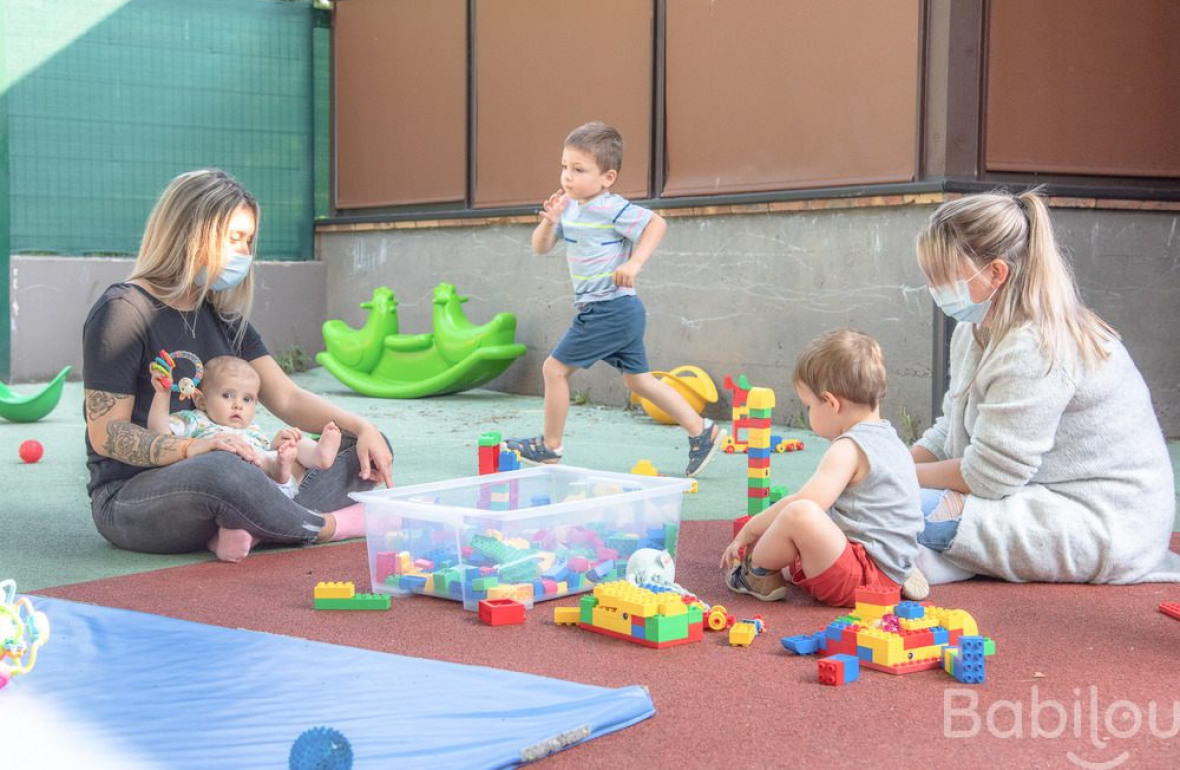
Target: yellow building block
x,y
870,612
644,468
759,438
959,620
330,590
566,616
742,634
612,619
671,604
917,624
757,473
627,597
563,587
888,649
521,592
760,398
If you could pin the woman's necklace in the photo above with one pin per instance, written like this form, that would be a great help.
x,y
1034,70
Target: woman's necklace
x,y
185,317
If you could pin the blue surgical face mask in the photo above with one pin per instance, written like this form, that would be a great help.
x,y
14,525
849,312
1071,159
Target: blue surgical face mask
x,y
955,300
237,267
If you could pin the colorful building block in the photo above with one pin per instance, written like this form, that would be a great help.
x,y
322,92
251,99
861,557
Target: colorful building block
x,y
501,612
839,669
334,590
355,602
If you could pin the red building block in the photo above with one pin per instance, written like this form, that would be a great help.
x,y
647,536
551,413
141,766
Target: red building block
x,y
501,612
881,597
1171,609
831,672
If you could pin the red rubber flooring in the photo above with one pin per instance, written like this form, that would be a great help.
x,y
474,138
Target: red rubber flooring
x,y
1083,675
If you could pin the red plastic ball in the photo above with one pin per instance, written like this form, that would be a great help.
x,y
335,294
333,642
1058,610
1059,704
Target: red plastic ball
x,y
31,451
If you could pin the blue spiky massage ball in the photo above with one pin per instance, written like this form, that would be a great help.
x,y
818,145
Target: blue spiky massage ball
x,y
321,748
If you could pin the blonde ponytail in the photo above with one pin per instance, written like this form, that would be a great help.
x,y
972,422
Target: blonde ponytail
x,y
1040,290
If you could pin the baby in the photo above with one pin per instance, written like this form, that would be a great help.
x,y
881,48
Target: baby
x,y
225,403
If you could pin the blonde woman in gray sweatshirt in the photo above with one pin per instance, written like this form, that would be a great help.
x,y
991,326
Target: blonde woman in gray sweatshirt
x,y
1048,458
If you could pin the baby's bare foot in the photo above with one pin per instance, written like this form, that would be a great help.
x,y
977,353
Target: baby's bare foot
x,y
284,462
231,545
327,447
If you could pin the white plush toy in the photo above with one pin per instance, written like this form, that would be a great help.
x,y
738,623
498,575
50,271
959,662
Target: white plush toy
x,y
651,565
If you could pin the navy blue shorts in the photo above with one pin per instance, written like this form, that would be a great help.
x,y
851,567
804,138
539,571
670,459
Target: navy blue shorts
x,y
610,331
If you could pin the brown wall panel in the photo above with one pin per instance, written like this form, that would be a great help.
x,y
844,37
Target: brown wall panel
x,y
766,95
401,102
544,68
1084,87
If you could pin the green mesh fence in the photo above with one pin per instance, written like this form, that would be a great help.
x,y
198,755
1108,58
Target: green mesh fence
x,y
110,99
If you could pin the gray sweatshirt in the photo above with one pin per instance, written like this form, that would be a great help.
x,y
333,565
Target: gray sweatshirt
x,y
1068,470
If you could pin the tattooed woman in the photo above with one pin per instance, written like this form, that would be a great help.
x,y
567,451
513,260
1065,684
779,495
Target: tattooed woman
x,y
191,290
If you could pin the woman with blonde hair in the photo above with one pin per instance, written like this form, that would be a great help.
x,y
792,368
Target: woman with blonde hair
x,y
1048,459
191,292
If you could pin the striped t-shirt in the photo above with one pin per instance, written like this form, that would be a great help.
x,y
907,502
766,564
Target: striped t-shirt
x,y
599,235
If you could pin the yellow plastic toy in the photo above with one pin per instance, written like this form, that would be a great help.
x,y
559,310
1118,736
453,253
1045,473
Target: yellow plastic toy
x,y
691,382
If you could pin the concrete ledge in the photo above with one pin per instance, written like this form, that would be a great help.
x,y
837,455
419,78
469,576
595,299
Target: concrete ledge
x,y
50,297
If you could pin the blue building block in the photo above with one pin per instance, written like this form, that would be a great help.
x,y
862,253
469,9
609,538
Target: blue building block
x,y
413,583
758,453
968,671
909,610
805,644
941,635
969,644
850,664
835,630
864,653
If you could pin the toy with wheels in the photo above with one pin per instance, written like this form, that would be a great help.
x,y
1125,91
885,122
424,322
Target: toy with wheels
x,y
691,382
376,360
17,408
23,631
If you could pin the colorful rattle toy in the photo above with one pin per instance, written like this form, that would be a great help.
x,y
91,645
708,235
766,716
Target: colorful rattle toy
x,y
164,365
21,633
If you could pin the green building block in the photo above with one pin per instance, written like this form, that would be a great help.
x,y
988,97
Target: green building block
x,y
758,483
777,493
586,609
755,505
484,583
491,438
666,628
357,602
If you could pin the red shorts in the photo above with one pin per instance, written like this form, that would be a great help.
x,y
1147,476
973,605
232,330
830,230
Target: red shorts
x,y
836,586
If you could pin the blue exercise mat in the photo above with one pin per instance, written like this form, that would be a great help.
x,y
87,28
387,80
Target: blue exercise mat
x,y
115,688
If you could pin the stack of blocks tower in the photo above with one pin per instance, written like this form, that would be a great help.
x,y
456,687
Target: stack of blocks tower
x,y
753,409
759,407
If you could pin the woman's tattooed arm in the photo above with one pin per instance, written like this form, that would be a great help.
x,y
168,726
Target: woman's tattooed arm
x,y
108,420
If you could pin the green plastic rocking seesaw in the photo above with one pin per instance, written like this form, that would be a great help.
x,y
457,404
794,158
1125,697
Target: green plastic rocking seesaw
x,y
376,360
17,408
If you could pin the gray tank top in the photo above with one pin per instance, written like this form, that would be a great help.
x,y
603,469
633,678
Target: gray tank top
x,y
883,512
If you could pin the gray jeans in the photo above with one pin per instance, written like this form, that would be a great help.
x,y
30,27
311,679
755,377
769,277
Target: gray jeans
x,y
177,508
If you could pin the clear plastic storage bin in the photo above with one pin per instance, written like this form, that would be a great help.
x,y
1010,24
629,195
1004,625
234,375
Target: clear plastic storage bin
x,y
531,535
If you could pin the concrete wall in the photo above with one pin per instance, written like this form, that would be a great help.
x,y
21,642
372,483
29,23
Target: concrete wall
x,y
52,295
744,293
731,294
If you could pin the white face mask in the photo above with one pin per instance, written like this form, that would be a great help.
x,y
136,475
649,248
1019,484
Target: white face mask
x,y
237,267
955,300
